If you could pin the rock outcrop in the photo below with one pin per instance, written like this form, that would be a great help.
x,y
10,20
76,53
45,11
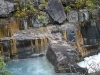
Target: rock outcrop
x,y
62,57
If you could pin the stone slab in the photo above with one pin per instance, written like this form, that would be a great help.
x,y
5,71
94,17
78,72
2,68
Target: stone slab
x,y
56,11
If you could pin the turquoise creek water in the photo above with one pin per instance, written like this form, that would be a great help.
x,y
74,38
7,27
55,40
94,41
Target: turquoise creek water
x,y
31,66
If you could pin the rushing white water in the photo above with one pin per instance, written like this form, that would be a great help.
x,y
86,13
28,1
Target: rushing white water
x,y
92,63
32,66
25,24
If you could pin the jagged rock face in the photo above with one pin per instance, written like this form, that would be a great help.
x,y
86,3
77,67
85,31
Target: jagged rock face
x,y
25,44
56,11
6,8
75,16
62,57
91,34
8,27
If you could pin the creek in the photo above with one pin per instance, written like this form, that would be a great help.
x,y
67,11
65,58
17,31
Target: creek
x,y
31,66
41,66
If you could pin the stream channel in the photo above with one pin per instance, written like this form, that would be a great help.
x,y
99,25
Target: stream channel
x,y
41,66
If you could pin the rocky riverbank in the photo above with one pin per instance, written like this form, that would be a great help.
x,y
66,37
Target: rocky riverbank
x,y
35,28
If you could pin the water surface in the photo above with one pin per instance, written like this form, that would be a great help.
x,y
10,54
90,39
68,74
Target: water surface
x,y
92,63
31,66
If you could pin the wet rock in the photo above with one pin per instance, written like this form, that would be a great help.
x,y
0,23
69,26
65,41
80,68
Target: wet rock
x,y
56,11
72,16
24,48
98,25
63,59
6,49
91,34
90,30
6,8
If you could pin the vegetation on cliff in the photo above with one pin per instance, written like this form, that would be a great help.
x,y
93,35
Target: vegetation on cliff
x,y
83,4
2,66
26,9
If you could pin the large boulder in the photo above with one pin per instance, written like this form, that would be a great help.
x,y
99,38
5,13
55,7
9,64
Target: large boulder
x,y
6,8
56,11
62,58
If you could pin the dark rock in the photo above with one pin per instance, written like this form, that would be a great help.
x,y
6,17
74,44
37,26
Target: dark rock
x,y
24,48
90,30
98,25
62,58
6,8
71,35
91,34
56,11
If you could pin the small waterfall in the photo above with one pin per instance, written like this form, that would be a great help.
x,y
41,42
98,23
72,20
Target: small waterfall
x,y
37,46
6,48
13,43
64,34
42,47
46,43
32,46
25,24
32,22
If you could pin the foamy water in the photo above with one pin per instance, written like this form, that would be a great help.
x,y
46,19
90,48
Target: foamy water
x,y
92,63
33,66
